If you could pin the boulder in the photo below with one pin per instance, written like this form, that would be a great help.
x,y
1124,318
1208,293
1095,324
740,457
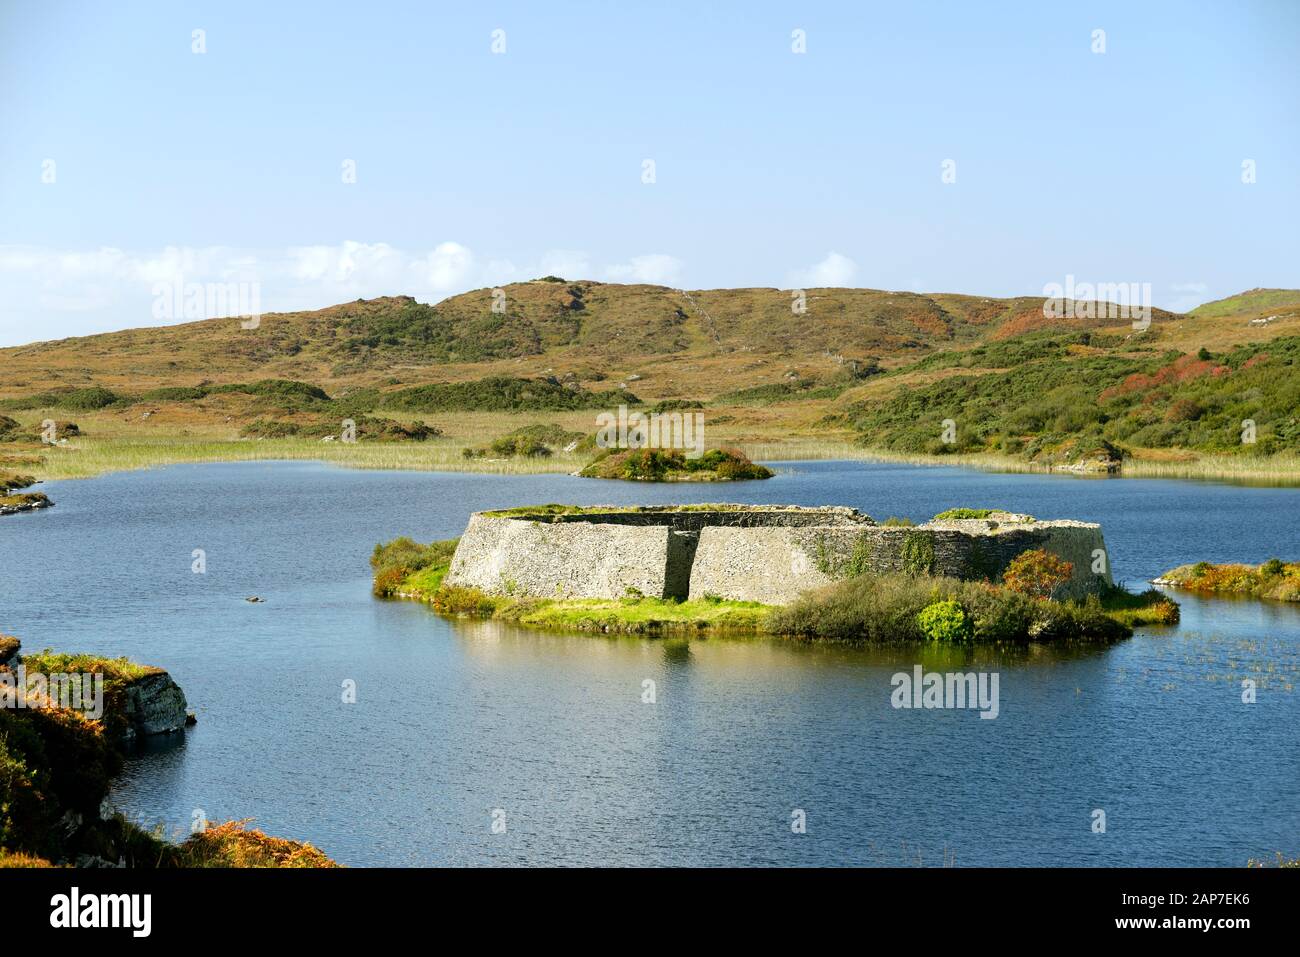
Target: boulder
x,y
155,704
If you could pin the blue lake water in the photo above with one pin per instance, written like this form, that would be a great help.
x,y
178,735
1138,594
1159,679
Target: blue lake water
x,y
455,721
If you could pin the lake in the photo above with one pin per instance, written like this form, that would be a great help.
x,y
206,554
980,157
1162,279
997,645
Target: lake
x,y
458,724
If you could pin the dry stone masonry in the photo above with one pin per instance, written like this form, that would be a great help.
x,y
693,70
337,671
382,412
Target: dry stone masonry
x,y
763,553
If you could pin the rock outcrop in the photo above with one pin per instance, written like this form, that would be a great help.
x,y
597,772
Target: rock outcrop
x,y
151,702
155,704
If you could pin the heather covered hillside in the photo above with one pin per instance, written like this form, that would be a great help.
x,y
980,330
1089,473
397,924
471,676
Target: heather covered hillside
x,y
774,372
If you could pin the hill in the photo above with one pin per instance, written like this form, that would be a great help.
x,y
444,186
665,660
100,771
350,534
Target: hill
x,y
1252,303
590,329
859,367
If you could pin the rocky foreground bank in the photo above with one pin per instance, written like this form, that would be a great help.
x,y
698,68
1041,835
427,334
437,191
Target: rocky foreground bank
x,y
67,723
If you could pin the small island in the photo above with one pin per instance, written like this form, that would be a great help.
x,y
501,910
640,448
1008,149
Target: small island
x,y
1274,579
816,573
674,465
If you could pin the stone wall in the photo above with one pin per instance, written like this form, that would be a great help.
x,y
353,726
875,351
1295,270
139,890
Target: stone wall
x,y
768,554
511,556
774,565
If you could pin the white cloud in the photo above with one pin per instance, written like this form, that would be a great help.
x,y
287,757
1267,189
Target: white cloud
x,y
834,270
447,267
52,293
655,268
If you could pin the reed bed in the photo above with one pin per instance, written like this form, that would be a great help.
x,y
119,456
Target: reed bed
x,y
94,455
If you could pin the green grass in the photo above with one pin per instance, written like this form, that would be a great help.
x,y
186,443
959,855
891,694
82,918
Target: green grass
x,y
1255,300
632,615
954,514
1151,607
113,669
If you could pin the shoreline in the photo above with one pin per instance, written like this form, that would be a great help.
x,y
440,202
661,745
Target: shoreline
x,y
92,457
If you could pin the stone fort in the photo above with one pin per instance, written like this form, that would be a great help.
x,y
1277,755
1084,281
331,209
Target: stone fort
x,y
762,553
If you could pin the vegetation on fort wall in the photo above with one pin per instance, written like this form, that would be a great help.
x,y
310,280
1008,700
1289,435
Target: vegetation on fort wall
x,y
1274,579
959,514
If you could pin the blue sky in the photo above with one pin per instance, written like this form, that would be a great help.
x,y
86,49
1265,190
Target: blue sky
x,y
772,168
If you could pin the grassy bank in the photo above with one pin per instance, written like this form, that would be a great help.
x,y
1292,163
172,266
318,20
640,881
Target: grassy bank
x,y
1274,579
632,615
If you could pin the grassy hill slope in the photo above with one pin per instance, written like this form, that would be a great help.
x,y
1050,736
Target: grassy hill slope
x,y
873,368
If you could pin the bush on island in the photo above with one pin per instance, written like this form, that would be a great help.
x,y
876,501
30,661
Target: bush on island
x,y
945,620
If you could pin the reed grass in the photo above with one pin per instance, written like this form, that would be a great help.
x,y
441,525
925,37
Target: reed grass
x,y
112,446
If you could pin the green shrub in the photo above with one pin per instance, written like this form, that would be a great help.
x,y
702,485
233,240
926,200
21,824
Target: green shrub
x,y
178,393
406,553
660,465
945,620
676,405
290,389
504,394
